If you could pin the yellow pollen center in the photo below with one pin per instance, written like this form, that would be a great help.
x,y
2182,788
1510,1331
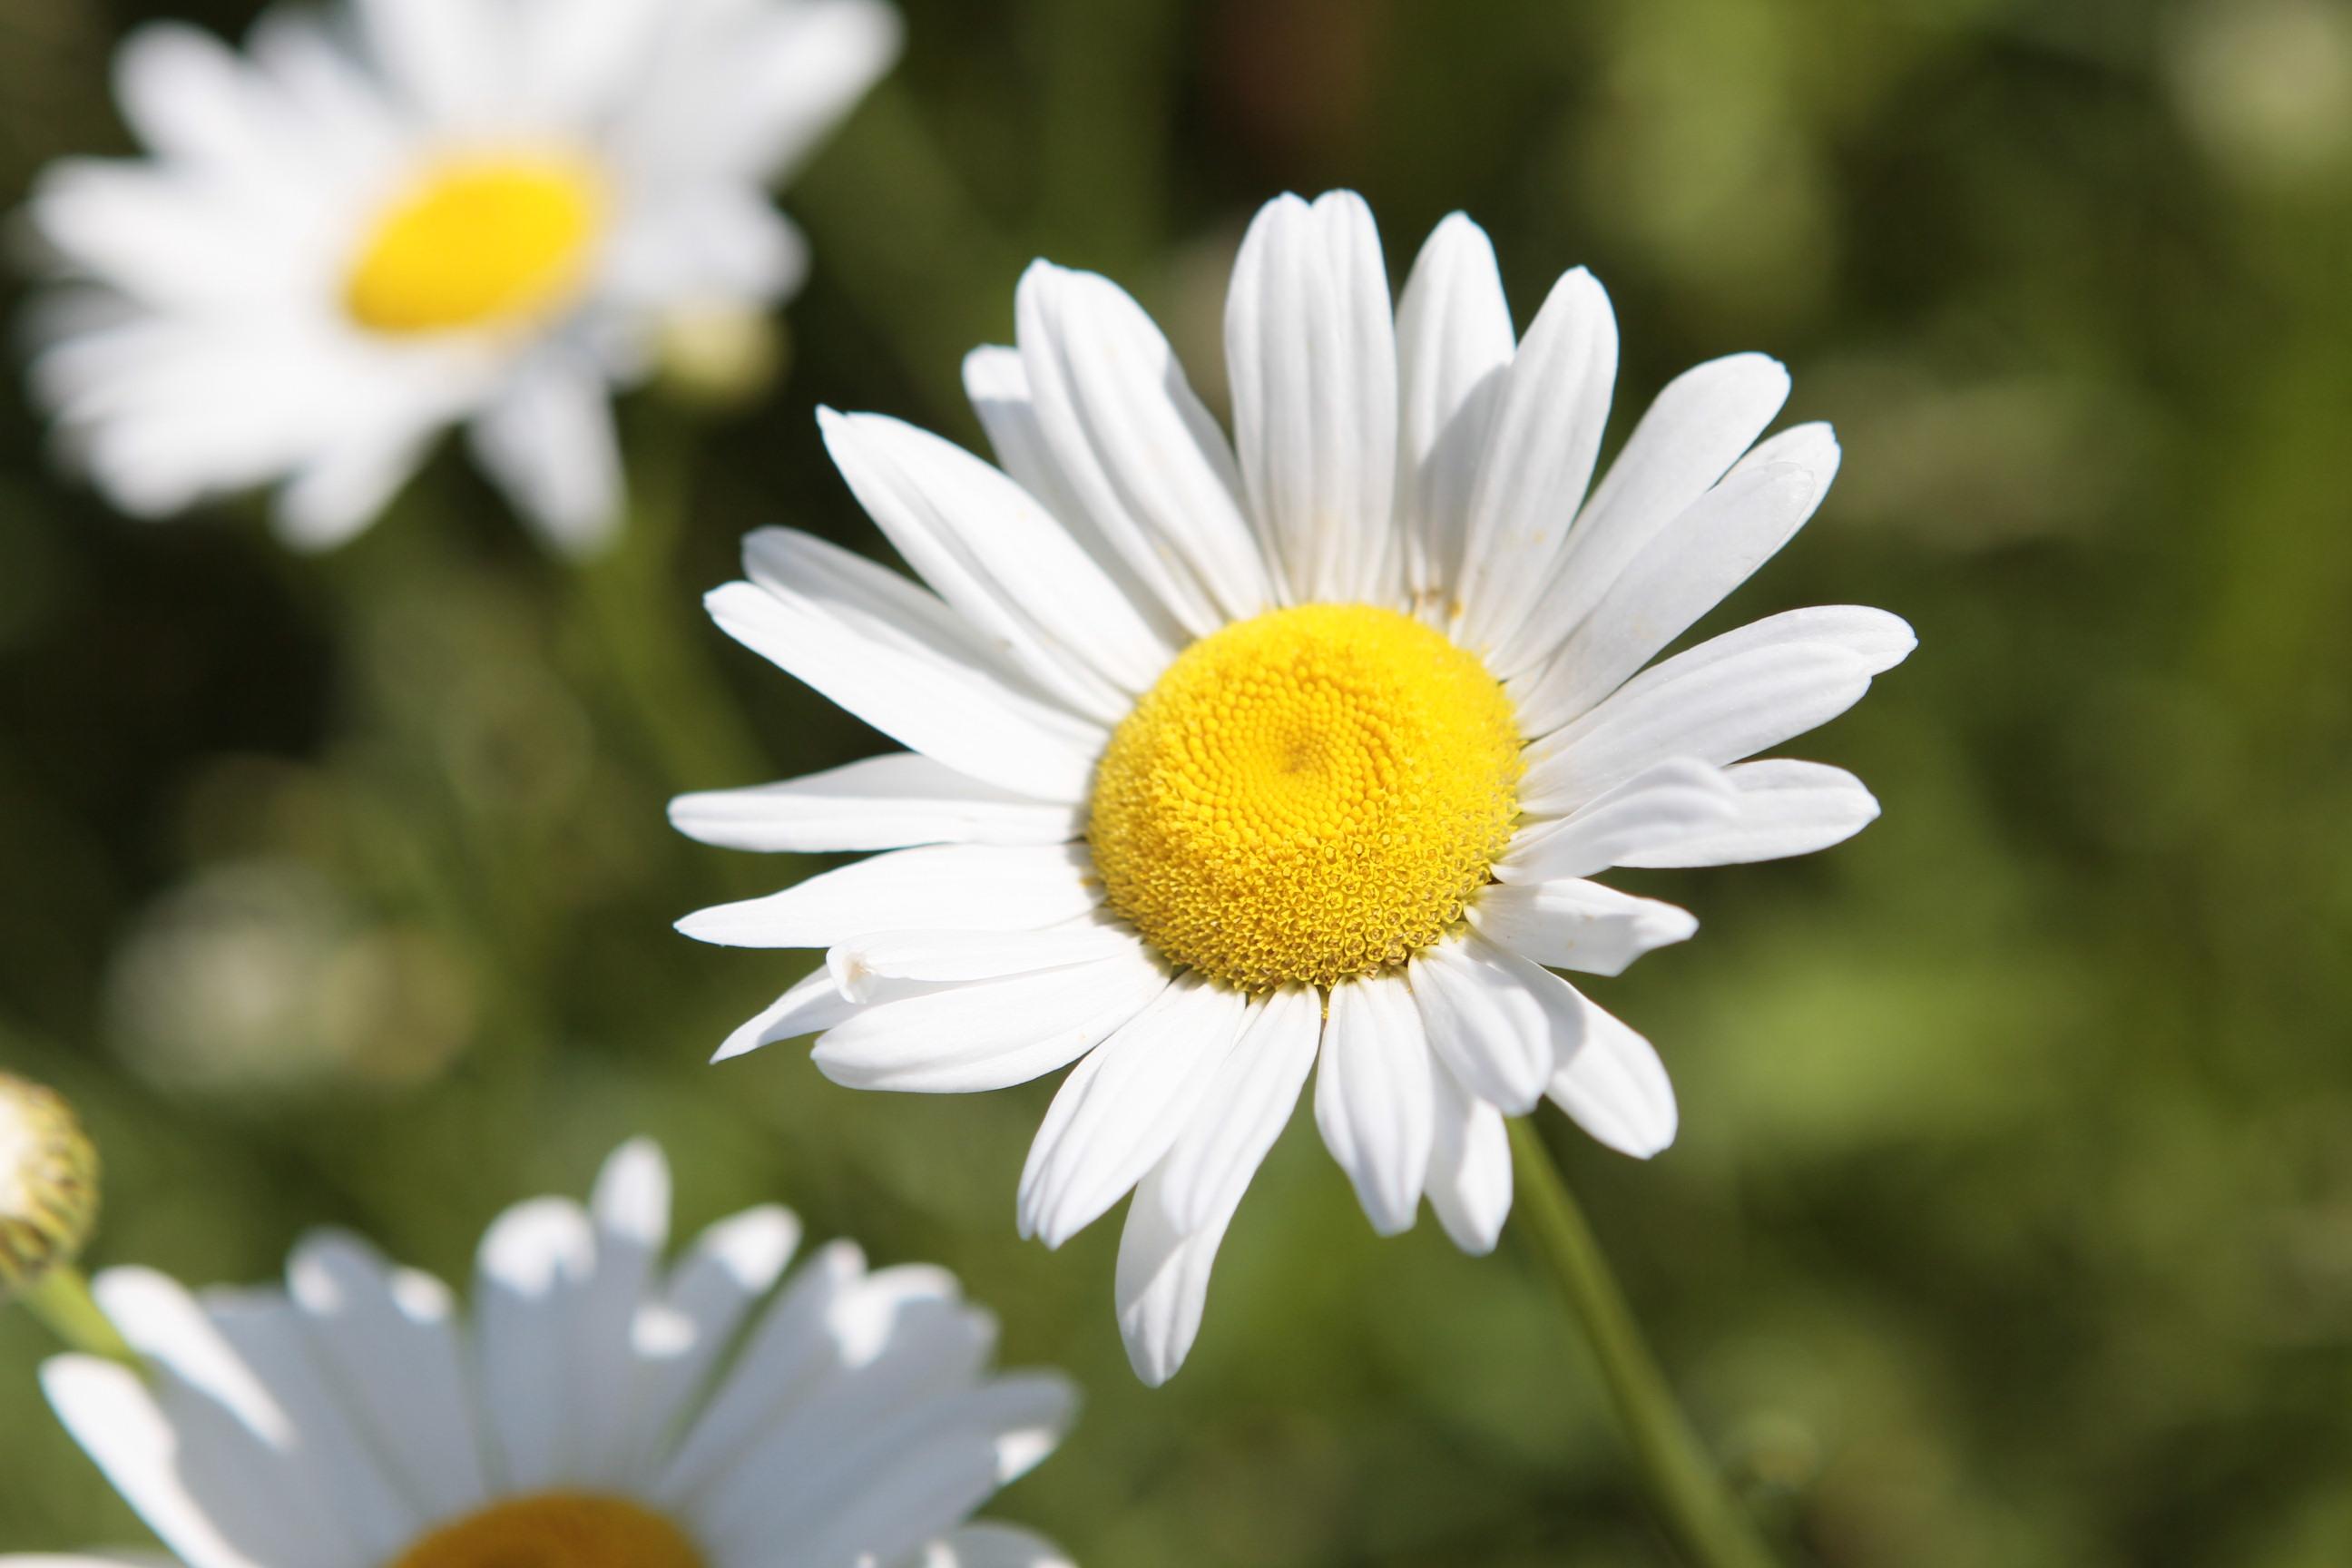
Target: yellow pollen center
x,y
1306,795
555,1530
477,240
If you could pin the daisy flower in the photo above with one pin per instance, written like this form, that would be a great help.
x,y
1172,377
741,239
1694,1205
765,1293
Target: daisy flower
x,y
599,1412
1231,760
414,214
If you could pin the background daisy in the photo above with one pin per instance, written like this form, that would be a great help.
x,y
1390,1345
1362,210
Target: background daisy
x,y
404,215
596,1407
1230,760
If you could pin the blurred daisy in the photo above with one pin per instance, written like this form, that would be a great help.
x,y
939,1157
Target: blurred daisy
x,y
1227,760
422,213
591,1416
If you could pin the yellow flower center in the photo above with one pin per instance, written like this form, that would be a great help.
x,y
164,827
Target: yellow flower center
x,y
477,240
556,1530
1306,795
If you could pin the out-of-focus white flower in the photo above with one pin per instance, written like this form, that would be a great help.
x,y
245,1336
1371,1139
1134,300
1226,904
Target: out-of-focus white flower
x,y
259,981
597,1412
1228,759
2267,84
368,227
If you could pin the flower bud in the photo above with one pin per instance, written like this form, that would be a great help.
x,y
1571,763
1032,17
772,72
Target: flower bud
x,y
48,1185
718,356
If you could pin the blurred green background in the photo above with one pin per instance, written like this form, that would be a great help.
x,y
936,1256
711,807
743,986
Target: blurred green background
x,y
2012,1218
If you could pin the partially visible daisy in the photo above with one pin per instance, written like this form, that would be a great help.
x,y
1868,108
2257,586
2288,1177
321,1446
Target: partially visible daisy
x,y
412,213
1231,759
600,1411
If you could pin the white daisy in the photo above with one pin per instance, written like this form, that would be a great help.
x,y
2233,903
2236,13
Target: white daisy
x,y
600,1412
417,213
1227,760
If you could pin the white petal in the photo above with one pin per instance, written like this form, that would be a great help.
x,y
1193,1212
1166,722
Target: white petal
x,y
1372,1097
630,1208
548,442
337,494
1684,572
1310,345
842,1394
1122,1107
1498,1023
163,1321
890,802
810,1006
1879,640
389,1337
1674,801
976,885
679,1340
999,558
998,385
1212,1163
1162,1283
328,1455
1685,442
1469,1167
863,969
1697,705
893,655
1453,345
750,91
153,232
193,98
1616,1089
1571,923
115,1418
784,1355
1538,460
1148,465
879,1500
531,1276
234,1450
1785,808
571,58
988,1545
717,240
443,54
1812,448
959,1039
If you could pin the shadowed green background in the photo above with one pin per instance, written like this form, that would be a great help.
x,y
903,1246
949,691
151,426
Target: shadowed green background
x,y
2011,1217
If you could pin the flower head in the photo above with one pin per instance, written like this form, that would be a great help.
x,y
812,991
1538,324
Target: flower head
x,y
49,1183
1229,762
430,212
600,1410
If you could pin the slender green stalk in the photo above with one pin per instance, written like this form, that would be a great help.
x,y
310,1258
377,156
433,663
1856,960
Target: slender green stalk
x,y
1707,1521
60,1298
648,628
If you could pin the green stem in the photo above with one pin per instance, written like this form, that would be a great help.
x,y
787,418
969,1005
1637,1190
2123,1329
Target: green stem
x,y
648,628
1706,1520
60,1298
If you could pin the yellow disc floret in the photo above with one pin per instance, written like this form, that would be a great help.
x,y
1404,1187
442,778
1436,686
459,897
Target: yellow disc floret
x,y
556,1530
1306,795
476,241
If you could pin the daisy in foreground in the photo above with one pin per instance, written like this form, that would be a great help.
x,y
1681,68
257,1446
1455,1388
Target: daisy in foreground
x,y
1230,760
415,213
599,1412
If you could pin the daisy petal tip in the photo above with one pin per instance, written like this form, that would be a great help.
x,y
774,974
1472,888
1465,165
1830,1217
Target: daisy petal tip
x,y
743,1042
1152,1357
